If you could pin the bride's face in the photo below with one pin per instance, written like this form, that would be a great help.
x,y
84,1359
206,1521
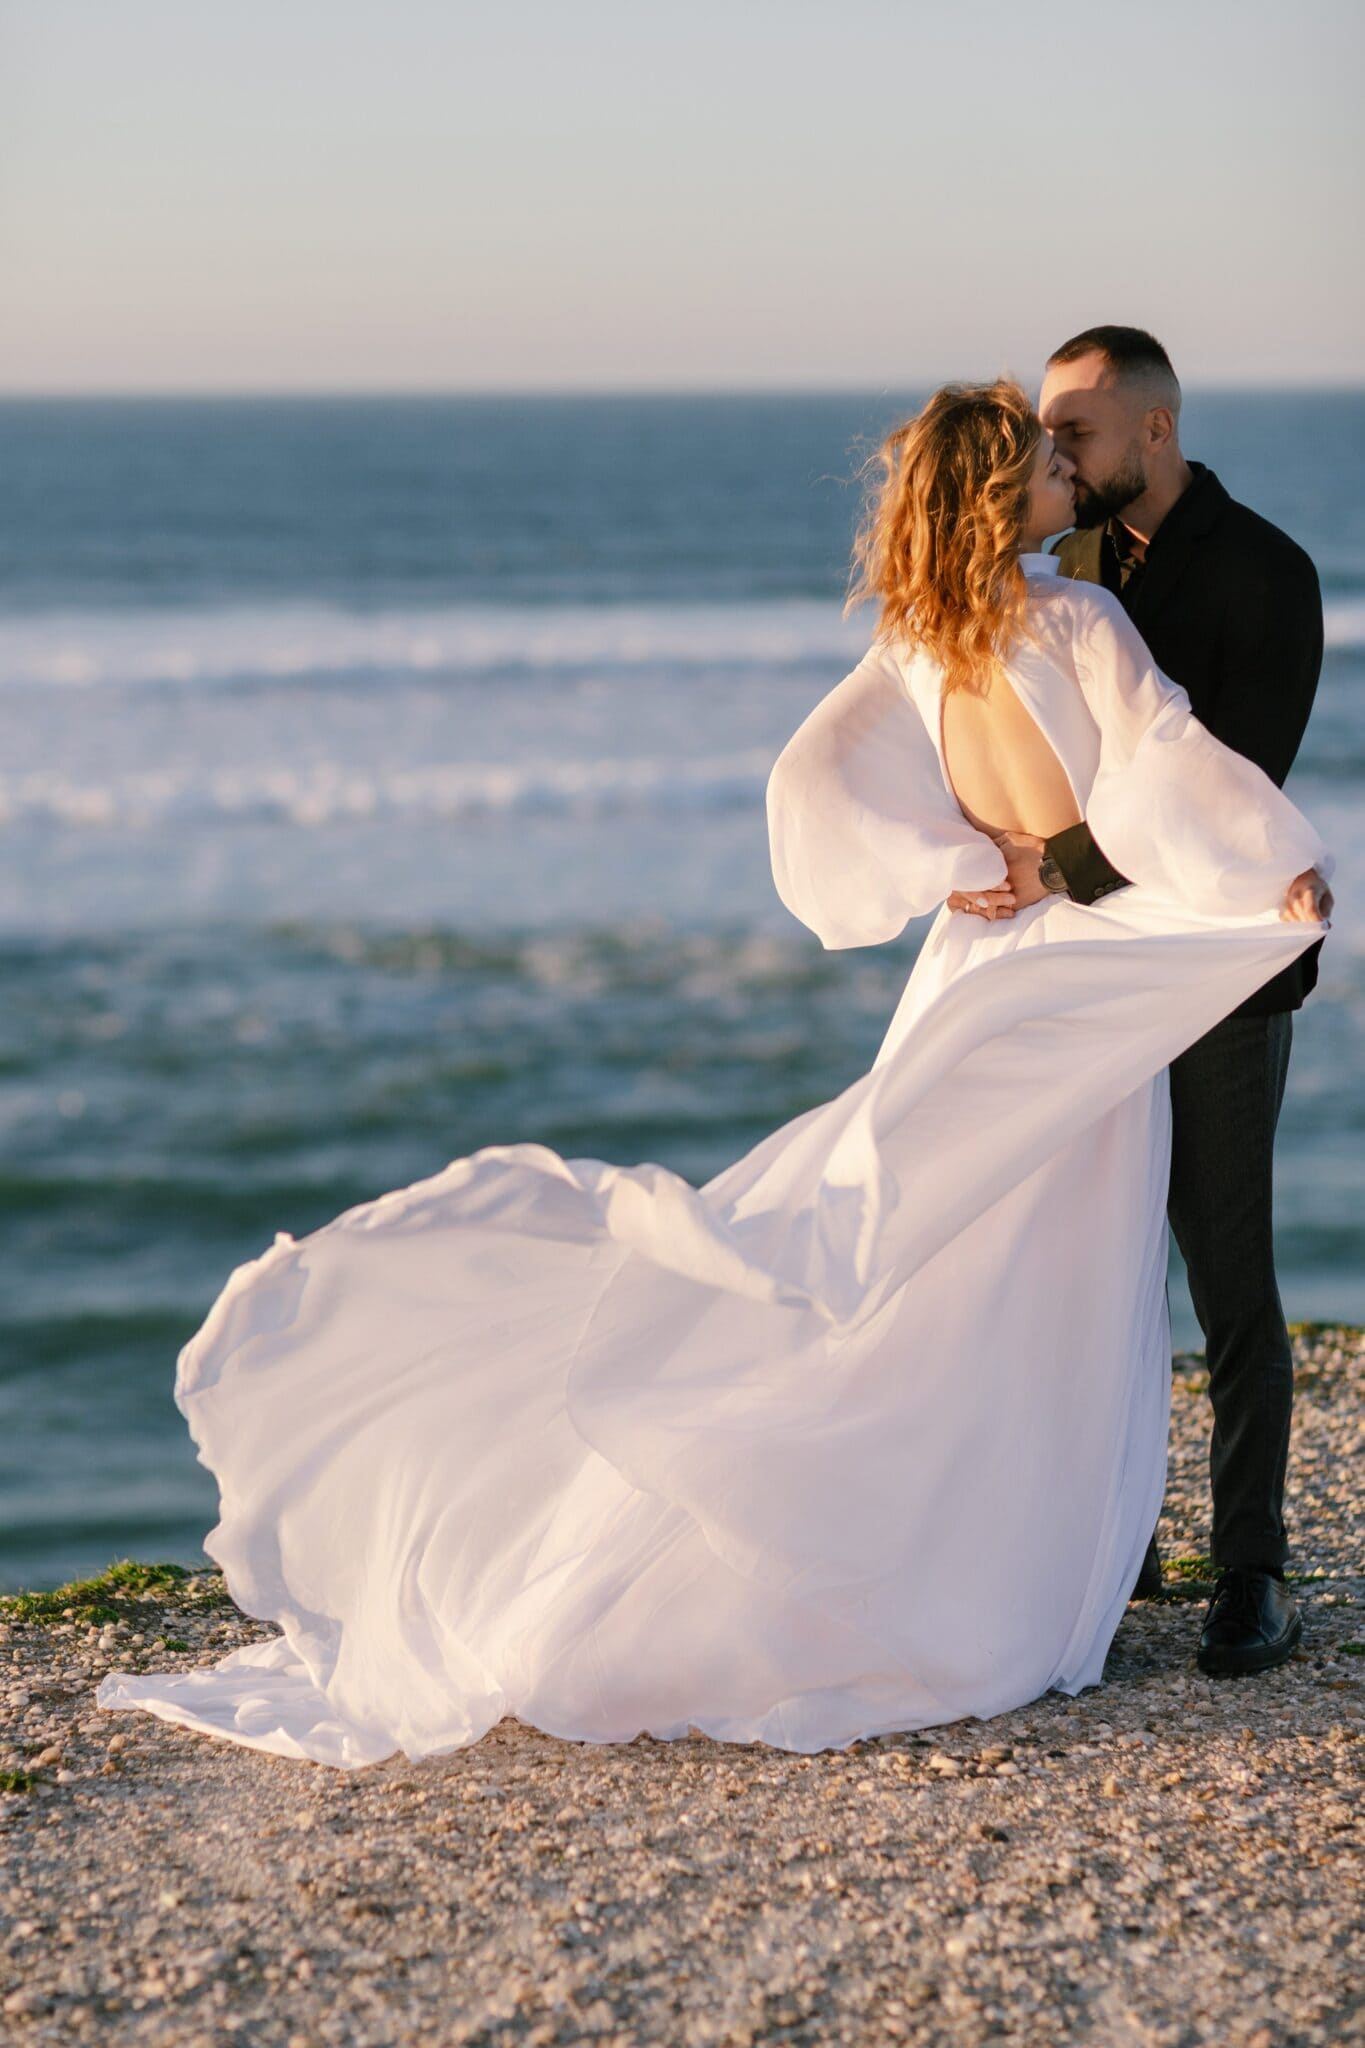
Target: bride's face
x,y
1051,497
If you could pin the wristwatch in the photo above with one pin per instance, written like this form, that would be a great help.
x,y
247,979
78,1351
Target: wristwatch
x,y
1051,876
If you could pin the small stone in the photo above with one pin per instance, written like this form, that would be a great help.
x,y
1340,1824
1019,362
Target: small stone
x,y
117,1744
26,2002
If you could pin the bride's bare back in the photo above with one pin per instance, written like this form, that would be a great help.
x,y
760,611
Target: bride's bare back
x,y
1004,773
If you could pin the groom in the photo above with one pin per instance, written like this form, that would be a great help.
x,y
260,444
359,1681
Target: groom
x,y
1231,609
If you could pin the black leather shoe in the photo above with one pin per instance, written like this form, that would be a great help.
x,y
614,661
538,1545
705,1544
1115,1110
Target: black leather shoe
x,y
1252,1623
1148,1583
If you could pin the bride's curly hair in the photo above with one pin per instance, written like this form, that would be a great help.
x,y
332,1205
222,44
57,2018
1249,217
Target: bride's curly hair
x,y
939,544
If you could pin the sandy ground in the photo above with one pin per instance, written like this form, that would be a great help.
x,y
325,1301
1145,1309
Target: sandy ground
x,y
1167,1860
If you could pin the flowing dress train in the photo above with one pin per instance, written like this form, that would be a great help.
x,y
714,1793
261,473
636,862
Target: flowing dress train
x,y
865,1434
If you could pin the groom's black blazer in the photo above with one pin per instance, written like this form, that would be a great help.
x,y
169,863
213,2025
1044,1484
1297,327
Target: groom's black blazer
x,y
1231,609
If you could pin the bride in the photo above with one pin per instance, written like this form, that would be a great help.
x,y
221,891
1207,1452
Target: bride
x,y
868,1433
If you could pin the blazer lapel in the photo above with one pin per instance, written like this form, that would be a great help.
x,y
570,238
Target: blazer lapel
x,y
1188,520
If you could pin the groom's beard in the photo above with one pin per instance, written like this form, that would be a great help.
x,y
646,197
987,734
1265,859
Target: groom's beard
x,y
1097,502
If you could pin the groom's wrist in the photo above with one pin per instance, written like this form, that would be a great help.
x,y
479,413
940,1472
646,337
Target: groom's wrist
x,y
1086,872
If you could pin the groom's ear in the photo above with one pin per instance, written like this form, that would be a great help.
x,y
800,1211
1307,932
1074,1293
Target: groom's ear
x,y
1160,426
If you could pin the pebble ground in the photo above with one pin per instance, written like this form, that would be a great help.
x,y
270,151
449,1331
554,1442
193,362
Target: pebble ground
x,y
1167,1860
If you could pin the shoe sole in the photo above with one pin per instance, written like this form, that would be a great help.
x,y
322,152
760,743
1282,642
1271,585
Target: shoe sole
x,y
1245,1663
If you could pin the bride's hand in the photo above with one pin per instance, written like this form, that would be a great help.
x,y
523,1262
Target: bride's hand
x,y
987,903
1308,900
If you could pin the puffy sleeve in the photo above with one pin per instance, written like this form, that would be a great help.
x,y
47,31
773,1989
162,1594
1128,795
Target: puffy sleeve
x,y
1172,807
863,831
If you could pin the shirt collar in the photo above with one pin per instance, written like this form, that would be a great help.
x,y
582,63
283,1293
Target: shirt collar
x,y
1040,565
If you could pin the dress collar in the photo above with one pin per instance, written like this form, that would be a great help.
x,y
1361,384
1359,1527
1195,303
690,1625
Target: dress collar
x,y
1040,565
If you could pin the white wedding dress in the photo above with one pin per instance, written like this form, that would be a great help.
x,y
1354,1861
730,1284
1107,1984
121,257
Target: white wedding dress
x,y
866,1434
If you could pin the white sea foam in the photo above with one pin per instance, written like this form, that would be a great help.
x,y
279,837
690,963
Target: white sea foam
x,y
1344,618
87,649
123,649
336,793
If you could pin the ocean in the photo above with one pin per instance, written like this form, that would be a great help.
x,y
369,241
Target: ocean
x,y
380,779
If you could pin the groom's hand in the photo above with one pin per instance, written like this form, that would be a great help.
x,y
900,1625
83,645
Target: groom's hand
x,y
1308,900
1022,854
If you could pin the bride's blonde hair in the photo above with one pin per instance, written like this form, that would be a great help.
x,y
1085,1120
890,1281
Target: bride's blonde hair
x,y
939,545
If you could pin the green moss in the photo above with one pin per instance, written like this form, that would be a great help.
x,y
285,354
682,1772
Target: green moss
x,y
1190,1577
113,1596
17,1781
1353,1649
1189,1567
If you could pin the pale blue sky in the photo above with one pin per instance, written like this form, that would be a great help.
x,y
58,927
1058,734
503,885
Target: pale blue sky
x,y
608,194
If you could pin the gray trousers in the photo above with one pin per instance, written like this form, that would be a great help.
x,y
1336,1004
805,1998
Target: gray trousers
x,y
1226,1091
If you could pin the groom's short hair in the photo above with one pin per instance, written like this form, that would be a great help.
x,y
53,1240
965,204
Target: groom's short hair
x,y
1131,353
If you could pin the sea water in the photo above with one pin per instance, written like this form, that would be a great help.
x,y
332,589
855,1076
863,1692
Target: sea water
x,y
383,779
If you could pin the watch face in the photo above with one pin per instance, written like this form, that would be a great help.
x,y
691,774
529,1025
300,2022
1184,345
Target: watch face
x,y
1051,876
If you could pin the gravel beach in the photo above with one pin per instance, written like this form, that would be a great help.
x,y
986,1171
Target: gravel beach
x,y
1166,1860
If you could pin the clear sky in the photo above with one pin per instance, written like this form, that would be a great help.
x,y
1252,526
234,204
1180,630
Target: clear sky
x,y
610,194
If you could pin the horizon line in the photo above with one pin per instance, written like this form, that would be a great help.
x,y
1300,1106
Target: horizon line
x,y
235,394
